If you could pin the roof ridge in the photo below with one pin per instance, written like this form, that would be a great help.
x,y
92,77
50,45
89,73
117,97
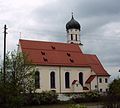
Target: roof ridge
x,y
47,42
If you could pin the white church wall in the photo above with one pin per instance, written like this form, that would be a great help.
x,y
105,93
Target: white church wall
x,y
103,86
77,88
88,86
60,73
19,48
74,75
94,85
45,78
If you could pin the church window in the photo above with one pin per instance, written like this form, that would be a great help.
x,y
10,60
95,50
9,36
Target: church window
x,y
67,80
71,36
106,90
100,80
37,79
100,90
96,86
52,79
81,78
76,37
106,81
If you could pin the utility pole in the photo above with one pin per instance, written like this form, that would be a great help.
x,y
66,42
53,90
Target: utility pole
x,y
4,65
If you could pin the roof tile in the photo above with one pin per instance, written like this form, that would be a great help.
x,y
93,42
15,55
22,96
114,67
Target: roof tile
x,y
60,54
89,80
96,66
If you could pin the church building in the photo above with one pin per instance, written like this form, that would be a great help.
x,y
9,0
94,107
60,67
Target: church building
x,y
63,67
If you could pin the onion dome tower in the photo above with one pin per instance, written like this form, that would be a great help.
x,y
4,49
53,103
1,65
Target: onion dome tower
x,y
73,29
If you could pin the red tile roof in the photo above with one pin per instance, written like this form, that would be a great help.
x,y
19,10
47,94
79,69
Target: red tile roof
x,y
85,88
89,80
49,46
96,66
60,54
53,53
74,81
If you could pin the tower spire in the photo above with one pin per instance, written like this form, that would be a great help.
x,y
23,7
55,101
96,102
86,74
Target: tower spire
x,y
73,31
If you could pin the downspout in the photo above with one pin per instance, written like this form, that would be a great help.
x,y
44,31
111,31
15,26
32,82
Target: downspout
x,y
60,78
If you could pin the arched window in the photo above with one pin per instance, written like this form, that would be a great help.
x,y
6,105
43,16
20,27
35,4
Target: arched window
x,y
76,37
37,79
71,36
81,78
52,79
67,80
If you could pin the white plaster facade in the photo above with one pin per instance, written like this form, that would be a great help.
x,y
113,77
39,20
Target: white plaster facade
x,y
73,36
74,75
103,85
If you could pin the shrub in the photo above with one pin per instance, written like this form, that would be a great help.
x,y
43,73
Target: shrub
x,y
92,96
45,97
77,106
48,97
86,97
15,101
112,100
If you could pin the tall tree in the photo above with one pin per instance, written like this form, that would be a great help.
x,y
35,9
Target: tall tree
x,y
114,87
19,77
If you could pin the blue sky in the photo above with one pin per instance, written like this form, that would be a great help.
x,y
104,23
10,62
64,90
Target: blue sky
x,y
46,19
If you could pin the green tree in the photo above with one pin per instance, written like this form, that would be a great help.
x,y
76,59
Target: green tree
x,y
19,79
112,100
114,87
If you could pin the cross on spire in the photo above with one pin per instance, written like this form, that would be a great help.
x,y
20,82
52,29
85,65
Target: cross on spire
x,y
72,15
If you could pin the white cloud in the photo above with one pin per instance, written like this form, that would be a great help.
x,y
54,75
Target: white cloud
x,y
45,20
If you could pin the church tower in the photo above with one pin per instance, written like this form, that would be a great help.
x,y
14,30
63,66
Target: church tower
x,y
73,29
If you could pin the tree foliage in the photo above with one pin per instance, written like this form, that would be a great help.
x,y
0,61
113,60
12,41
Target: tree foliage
x,y
114,87
19,79
112,100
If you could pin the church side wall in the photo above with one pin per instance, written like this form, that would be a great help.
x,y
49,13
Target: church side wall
x,y
103,86
94,85
60,73
74,75
45,71
45,78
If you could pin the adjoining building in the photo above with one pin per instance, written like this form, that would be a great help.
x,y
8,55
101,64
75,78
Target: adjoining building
x,y
63,67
